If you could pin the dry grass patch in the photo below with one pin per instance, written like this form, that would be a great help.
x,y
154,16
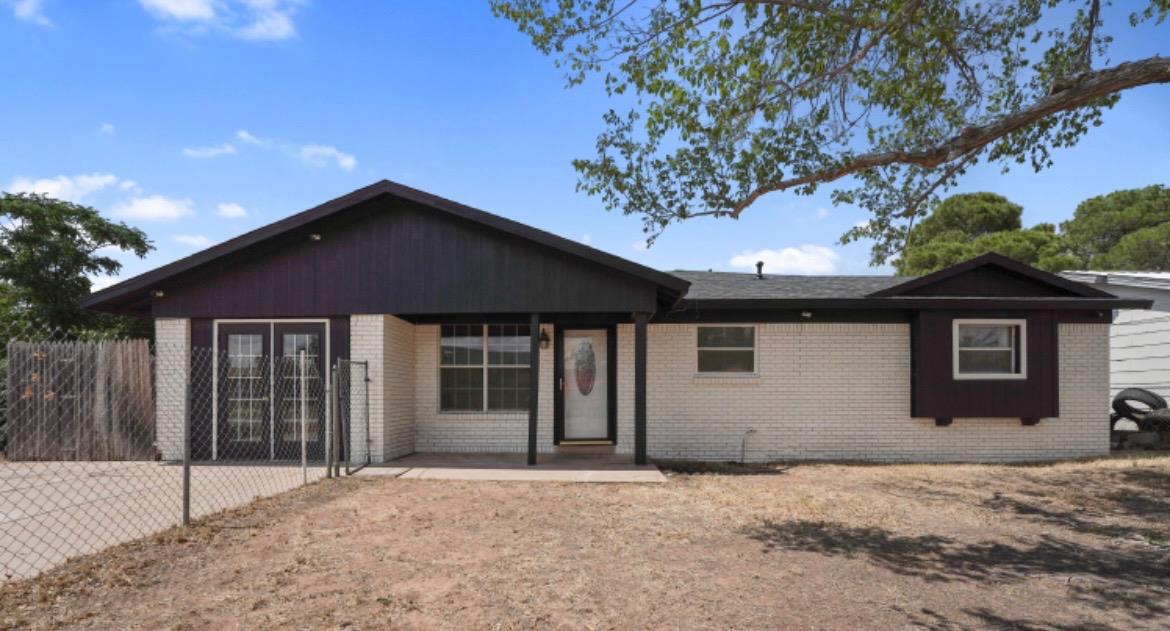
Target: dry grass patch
x,y
1074,545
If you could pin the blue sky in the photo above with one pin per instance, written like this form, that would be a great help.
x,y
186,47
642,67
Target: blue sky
x,y
197,120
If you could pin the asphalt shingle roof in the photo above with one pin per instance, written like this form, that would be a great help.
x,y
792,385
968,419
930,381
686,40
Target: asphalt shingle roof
x,y
741,285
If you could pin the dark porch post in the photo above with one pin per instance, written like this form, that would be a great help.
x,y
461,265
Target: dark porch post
x,y
533,385
640,388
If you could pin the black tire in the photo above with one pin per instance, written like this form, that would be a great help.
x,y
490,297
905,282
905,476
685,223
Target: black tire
x,y
1156,421
1150,400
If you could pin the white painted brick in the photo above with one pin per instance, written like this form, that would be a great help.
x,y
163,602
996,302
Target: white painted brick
x,y
842,392
172,351
437,431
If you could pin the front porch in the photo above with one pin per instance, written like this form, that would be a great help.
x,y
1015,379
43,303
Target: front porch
x,y
515,468
530,386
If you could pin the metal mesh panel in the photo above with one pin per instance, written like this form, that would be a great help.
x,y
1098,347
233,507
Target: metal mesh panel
x,y
353,411
103,441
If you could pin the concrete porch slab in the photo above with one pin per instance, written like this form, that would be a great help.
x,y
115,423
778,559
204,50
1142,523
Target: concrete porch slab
x,y
512,468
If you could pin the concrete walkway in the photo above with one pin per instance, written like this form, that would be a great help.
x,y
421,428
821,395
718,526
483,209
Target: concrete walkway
x,y
512,468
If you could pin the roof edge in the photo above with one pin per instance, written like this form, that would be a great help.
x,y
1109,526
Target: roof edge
x,y
993,258
382,187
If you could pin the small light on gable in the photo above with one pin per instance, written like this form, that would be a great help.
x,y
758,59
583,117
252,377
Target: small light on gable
x,y
314,237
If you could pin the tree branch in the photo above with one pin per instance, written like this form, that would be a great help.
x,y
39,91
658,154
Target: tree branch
x,y
1075,93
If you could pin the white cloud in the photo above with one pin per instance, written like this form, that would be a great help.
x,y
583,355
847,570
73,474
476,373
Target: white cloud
x,y
74,189
805,259
271,20
641,245
244,136
181,10
257,20
194,240
210,152
321,155
155,208
128,185
231,210
106,129
29,11
822,213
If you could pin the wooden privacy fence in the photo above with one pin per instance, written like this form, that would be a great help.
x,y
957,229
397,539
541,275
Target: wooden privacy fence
x,y
80,401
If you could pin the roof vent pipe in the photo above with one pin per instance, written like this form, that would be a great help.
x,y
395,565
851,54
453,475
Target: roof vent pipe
x,y
759,269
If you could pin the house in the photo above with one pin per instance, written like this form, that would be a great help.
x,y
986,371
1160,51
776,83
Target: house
x,y
1139,342
485,335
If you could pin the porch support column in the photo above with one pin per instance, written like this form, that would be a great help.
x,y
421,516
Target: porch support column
x,y
533,385
640,388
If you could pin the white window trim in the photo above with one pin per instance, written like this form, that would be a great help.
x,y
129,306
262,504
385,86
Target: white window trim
x,y
1022,349
439,376
726,374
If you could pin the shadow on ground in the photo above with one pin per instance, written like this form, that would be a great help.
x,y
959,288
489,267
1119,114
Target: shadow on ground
x,y
1133,579
690,467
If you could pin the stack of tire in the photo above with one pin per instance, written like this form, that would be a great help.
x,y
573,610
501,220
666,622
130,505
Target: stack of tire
x,y
1146,412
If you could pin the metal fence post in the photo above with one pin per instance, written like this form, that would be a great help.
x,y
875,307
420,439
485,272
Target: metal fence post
x,y
335,418
187,446
304,422
329,436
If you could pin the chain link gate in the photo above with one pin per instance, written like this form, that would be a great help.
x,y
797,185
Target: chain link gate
x,y
352,410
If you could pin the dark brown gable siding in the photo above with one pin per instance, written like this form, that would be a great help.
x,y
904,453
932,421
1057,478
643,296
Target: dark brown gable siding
x,y
937,394
989,280
391,256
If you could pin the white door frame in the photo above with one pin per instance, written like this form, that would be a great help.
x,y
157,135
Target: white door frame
x,y
271,322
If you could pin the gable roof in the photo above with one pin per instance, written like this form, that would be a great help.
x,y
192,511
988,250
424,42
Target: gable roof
x,y
673,286
990,281
748,286
993,260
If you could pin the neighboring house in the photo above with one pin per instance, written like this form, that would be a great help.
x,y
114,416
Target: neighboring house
x,y
1139,342
989,360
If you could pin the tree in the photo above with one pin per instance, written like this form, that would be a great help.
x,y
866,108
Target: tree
x,y
1147,250
732,100
971,214
48,250
964,226
1100,224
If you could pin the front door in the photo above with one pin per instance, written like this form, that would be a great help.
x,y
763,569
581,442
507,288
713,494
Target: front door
x,y
299,390
585,384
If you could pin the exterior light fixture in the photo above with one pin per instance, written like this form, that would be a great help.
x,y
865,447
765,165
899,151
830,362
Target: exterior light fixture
x,y
156,293
806,314
543,338
314,237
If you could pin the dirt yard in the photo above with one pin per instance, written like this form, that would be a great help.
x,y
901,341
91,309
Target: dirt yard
x,y
1069,546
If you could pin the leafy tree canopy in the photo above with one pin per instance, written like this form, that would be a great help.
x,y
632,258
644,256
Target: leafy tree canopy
x,y
1099,224
1147,249
728,101
1128,229
48,250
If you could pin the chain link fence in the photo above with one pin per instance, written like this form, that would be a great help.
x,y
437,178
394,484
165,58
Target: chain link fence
x,y
104,441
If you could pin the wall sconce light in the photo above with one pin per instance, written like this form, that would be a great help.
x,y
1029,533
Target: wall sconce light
x,y
544,341
314,237
157,293
806,314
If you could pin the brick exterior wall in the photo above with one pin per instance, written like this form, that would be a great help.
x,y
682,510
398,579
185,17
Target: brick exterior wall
x,y
172,364
398,388
473,431
821,391
842,392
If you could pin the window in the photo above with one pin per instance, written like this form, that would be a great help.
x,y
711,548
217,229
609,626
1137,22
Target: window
x,y
989,349
476,359
727,349
246,389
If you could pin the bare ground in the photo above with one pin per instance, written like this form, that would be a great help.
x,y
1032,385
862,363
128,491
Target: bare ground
x,y
1067,546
